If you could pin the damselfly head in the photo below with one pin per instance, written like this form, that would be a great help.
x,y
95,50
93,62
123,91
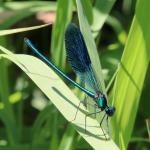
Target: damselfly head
x,y
110,111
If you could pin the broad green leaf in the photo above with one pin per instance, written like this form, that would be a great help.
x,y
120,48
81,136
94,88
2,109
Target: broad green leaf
x,y
62,97
63,17
12,31
130,78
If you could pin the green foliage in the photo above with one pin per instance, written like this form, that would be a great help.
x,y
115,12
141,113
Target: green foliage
x,y
25,9
128,93
29,121
63,17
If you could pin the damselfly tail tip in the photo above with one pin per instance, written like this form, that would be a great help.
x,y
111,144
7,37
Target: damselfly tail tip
x,y
26,40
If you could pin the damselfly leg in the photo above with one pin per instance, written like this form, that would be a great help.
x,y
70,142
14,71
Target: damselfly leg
x,y
101,125
85,103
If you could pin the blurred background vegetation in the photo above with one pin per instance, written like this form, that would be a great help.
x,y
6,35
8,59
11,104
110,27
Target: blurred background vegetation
x,y
28,120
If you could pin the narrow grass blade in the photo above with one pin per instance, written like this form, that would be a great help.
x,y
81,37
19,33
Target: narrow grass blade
x,y
12,31
14,5
44,114
10,124
87,6
68,140
63,17
148,128
6,113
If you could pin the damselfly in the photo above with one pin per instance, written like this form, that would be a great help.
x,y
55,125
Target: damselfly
x,y
79,59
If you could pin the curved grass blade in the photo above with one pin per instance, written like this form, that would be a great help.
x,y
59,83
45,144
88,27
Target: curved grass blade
x,y
12,31
61,96
29,6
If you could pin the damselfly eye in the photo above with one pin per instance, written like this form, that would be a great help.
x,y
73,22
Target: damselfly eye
x,y
110,111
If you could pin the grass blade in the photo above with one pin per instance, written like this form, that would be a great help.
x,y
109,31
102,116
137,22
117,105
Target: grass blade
x,y
131,75
64,14
148,128
29,5
87,6
6,113
44,114
12,31
68,140
61,96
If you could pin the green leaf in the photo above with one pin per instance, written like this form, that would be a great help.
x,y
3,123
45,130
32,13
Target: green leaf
x,y
148,128
12,31
68,140
101,11
30,5
7,113
130,78
44,114
63,17
62,97
87,6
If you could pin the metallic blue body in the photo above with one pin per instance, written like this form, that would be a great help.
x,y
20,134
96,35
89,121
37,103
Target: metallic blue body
x,y
79,59
36,51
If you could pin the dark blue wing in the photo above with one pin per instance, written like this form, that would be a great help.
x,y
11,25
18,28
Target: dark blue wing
x,y
78,56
